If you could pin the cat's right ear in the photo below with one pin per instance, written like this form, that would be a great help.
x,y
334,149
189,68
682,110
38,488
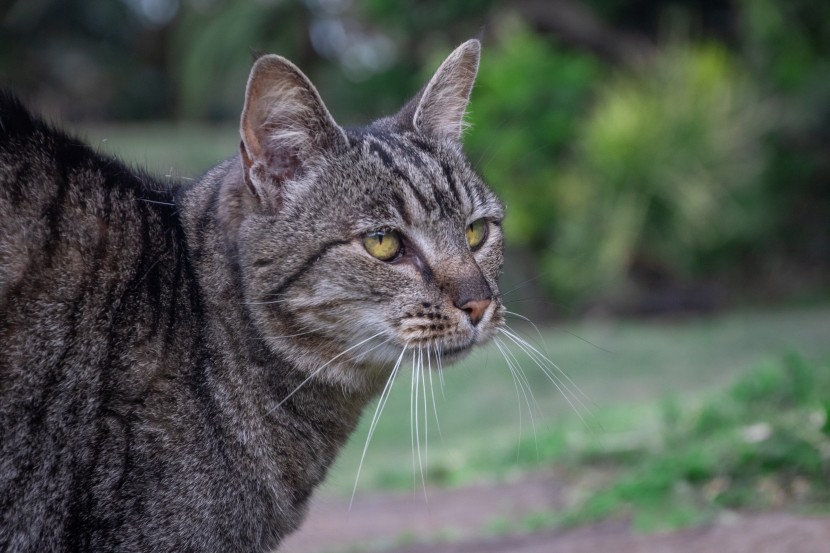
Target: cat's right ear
x,y
284,127
438,109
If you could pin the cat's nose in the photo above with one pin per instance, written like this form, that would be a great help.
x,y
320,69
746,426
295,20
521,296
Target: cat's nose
x,y
475,309
472,295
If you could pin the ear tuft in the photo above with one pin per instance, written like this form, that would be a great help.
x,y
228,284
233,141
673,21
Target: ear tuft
x,y
284,125
443,102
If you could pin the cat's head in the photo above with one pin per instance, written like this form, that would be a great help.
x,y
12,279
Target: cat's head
x,y
378,238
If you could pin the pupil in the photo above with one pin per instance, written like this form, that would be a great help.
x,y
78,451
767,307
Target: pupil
x,y
380,239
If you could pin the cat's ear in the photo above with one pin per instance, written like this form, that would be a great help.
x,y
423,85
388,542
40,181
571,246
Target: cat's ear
x,y
284,126
439,108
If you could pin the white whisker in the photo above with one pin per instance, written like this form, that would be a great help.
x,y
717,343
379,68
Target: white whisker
x,y
518,399
412,422
521,285
560,385
520,374
297,334
426,416
432,393
263,302
320,368
417,429
538,332
523,386
384,397
513,335
440,363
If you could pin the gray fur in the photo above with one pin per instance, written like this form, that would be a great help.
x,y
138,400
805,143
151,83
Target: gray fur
x,y
160,349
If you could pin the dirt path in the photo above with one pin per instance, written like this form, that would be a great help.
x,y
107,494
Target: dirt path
x,y
452,521
768,533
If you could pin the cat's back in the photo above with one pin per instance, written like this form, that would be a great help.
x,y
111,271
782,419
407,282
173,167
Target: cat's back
x,y
61,202
93,278
89,249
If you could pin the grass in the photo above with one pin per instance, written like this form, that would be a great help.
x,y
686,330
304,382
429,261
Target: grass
x,y
182,150
643,373
763,443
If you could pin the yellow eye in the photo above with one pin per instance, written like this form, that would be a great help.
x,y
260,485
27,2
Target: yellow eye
x,y
383,244
476,233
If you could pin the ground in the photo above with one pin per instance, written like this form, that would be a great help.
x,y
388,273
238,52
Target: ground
x,y
468,519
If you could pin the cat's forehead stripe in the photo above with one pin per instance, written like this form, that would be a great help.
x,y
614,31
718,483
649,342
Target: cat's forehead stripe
x,y
446,168
387,158
413,161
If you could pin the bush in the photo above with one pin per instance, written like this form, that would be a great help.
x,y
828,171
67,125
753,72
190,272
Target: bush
x,y
667,170
527,104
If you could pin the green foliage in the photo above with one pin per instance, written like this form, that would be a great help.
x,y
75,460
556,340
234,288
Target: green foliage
x,y
427,16
786,45
762,443
667,169
663,164
787,41
525,110
212,51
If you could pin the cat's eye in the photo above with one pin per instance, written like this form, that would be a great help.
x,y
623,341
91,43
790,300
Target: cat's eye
x,y
385,245
476,233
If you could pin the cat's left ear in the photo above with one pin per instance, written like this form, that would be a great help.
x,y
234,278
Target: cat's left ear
x,y
439,108
285,127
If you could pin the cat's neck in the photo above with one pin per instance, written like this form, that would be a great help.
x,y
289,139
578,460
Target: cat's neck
x,y
292,426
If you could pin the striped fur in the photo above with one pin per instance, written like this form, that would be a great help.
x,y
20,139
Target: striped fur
x,y
175,371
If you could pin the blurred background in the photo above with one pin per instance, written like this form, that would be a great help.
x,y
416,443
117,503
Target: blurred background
x,y
665,167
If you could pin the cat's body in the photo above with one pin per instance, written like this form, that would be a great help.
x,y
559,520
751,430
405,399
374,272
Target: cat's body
x,y
179,367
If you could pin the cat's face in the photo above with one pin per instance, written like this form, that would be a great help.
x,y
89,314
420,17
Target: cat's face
x,y
379,239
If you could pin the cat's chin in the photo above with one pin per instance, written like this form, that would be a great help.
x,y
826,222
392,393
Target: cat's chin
x,y
455,354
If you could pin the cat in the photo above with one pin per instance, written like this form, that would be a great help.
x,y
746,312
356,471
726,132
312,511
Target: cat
x,y
179,365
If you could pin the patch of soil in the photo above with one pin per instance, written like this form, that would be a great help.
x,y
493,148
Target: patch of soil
x,y
766,533
453,521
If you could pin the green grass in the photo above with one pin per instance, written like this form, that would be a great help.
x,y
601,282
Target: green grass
x,y
763,443
644,373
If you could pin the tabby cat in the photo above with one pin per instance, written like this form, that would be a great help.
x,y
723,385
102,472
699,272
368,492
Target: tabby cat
x,y
179,366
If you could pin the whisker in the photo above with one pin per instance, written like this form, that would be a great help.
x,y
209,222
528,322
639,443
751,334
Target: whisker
x,y
417,430
511,333
320,368
426,416
312,331
412,422
589,342
363,354
384,397
263,302
440,368
432,392
517,379
538,332
518,400
156,202
520,373
522,284
556,381
522,300
560,385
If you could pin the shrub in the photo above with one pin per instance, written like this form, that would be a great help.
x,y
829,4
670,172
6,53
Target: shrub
x,y
667,169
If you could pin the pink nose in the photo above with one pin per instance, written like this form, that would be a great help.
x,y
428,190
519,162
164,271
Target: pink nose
x,y
475,309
